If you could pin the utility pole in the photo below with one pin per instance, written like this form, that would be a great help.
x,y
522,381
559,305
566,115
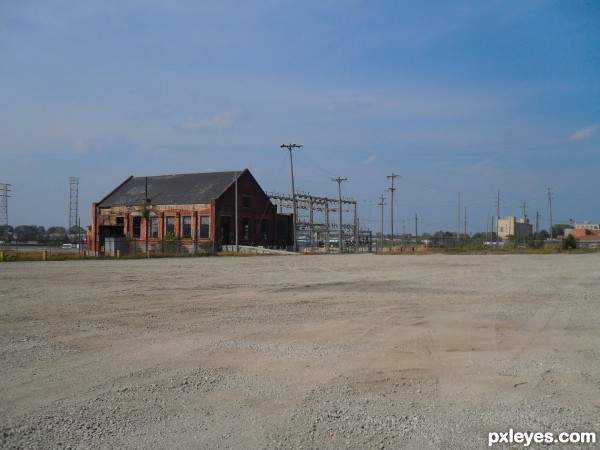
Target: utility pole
x,y
290,147
339,182
237,231
356,226
537,224
497,217
550,202
465,222
327,225
403,232
393,176
381,203
4,190
416,230
458,221
524,206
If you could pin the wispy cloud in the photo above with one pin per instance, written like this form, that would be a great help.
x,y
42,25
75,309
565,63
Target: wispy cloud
x,y
585,133
369,160
220,121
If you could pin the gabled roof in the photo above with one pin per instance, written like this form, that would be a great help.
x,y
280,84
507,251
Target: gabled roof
x,y
170,189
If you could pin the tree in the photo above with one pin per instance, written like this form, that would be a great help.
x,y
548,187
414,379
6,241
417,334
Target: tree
x,y
559,229
26,233
6,230
57,230
76,230
570,242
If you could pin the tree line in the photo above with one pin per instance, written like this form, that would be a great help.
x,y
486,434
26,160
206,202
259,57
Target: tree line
x,y
40,234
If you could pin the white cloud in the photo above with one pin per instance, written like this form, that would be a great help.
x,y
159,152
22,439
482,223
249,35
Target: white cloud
x,y
220,121
369,160
585,133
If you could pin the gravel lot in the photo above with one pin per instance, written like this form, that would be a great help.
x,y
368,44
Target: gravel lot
x,y
350,351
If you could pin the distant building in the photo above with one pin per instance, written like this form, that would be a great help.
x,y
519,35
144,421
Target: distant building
x,y
587,234
510,226
587,226
192,209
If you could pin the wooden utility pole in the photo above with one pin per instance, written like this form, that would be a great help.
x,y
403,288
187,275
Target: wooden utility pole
x,y
290,147
458,221
416,230
381,203
497,216
339,182
393,176
550,202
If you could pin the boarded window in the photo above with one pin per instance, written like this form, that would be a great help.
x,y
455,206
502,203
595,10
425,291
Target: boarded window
x,y
245,202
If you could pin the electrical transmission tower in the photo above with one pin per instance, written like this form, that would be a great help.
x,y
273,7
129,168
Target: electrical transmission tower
x,y
4,190
73,203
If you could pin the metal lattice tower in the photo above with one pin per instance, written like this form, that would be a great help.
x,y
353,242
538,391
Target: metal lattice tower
x,y
73,203
4,190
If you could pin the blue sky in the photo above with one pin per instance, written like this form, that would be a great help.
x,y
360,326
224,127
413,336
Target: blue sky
x,y
462,96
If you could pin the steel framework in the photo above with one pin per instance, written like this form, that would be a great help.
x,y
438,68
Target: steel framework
x,y
314,227
73,202
4,190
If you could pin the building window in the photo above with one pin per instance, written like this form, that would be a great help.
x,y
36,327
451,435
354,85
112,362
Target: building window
x,y
136,231
154,227
169,225
245,202
246,229
204,227
120,221
186,226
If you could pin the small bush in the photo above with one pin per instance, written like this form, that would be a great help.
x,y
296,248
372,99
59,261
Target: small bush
x,y
570,242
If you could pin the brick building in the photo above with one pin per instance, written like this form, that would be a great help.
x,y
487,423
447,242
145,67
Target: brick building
x,y
192,209
587,234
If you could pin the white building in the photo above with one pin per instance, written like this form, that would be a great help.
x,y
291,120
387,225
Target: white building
x,y
510,226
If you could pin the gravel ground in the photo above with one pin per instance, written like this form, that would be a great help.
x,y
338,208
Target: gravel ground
x,y
352,351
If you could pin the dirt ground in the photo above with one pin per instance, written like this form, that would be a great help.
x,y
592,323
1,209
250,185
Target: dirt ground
x,y
350,351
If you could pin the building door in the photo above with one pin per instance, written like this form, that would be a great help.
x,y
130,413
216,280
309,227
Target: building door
x,y
225,230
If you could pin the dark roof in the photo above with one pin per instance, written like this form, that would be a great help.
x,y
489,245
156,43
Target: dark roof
x,y
170,189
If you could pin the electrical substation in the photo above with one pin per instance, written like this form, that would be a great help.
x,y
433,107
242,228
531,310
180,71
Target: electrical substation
x,y
315,229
